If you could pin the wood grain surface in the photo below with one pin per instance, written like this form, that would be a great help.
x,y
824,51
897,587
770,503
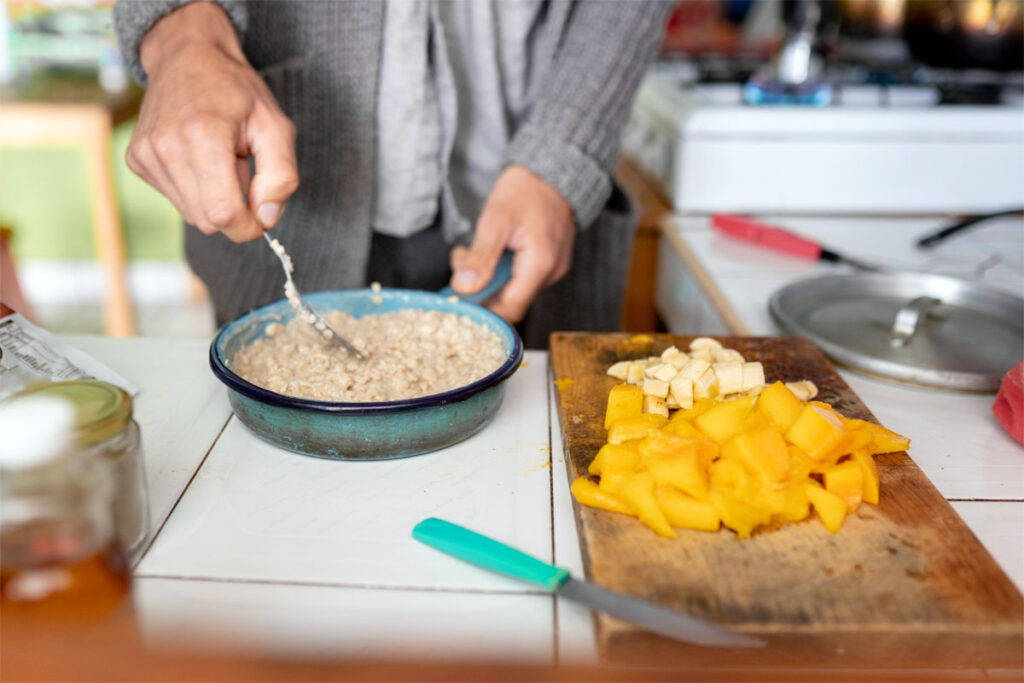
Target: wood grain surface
x,y
903,584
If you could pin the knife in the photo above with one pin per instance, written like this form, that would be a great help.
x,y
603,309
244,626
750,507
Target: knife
x,y
779,239
486,552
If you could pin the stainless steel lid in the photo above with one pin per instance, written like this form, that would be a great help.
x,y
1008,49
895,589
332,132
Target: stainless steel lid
x,y
925,329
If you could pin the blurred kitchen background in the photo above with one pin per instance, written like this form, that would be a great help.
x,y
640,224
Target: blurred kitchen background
x,y
904,112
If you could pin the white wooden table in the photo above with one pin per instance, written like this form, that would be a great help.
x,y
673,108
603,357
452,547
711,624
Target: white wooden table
x,y
259,550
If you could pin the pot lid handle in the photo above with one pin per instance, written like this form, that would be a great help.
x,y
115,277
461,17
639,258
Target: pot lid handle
x,y
909,318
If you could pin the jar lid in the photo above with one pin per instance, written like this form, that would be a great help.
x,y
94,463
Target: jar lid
x,y
34,431
102,410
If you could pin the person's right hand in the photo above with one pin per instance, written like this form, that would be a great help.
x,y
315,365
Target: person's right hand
x,y
206,111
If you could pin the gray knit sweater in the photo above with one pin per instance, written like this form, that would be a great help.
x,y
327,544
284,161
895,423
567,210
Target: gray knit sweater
x,y
321,60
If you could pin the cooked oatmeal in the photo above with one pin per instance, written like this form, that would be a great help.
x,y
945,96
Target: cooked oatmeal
x,y
411,353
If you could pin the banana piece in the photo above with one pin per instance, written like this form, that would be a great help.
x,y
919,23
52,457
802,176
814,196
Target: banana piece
x,y
730,376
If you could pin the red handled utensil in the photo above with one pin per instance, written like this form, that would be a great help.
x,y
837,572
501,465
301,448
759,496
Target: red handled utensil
x,y
779,239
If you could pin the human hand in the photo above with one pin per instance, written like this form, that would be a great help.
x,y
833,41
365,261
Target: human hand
x,y
206,111
526,215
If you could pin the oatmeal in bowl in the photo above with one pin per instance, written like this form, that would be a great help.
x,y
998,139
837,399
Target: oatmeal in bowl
x,y
434,374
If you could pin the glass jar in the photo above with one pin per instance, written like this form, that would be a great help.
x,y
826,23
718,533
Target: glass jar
x,y
62,570
105,430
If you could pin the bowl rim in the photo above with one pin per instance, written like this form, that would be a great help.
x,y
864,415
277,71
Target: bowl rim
x,y
239,384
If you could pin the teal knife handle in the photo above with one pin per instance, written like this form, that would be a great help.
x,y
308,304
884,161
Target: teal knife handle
x,y
502,274
486,552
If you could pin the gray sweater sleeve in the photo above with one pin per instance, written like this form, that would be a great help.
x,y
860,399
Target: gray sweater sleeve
x,y
134,18
571,136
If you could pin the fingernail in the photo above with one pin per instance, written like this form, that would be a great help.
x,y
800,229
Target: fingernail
x,y
268,214
464,279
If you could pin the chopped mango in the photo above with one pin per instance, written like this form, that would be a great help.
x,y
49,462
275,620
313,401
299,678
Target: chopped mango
x,y
678,456
679,425
700,406
614,481
639,493
869,470
683,471
589,493
737,514
787,504
762,450
816,431
624,401
883,440
729,474
724,419
830,507
779,405
685,512
846,480
612,456
800,464
636,427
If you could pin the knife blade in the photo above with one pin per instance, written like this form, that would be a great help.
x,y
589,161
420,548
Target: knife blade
x,y
486,552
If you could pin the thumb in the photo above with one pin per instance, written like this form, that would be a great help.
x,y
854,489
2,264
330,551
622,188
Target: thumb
x,y
272,144
473,268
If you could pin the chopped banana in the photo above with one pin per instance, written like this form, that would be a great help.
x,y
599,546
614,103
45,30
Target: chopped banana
x,y
669,352
804,390
706,386
635,373
753,375
671,401
652,404
620,370
706,355
655,387
730,376
694,369
705,343
681,391
662,371
725,355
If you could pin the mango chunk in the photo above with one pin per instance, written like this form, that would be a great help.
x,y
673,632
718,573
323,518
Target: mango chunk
x,y
762,450
725,419
738,515
700,406
780,405
683,471
639,494
685,512
883,440
588,493
680,426
787,504
869,470
624,401
623,457
830,507
815,431
636,427
846,480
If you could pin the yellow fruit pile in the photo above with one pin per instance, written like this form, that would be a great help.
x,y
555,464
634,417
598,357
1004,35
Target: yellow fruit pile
x,y
747,462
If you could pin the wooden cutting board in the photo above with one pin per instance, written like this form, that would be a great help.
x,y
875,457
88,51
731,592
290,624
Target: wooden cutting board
x,y
903,584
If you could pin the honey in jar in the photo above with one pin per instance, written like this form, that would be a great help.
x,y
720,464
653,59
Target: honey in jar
x,y
62,570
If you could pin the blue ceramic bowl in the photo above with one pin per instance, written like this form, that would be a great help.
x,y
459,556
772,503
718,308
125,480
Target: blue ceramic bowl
x,y
363,431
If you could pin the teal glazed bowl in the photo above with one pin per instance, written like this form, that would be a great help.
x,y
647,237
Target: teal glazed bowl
x,y
363,431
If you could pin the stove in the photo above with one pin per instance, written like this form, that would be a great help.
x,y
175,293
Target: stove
x,y
892,141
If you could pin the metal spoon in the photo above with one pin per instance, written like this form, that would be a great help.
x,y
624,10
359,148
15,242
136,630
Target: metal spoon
x,y
305,311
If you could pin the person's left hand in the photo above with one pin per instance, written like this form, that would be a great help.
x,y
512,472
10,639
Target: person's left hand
x,y
526,215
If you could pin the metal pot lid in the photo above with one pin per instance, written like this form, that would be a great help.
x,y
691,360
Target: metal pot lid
x,y
924,329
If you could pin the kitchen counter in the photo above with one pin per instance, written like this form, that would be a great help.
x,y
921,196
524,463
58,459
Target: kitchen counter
x,y
708,283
